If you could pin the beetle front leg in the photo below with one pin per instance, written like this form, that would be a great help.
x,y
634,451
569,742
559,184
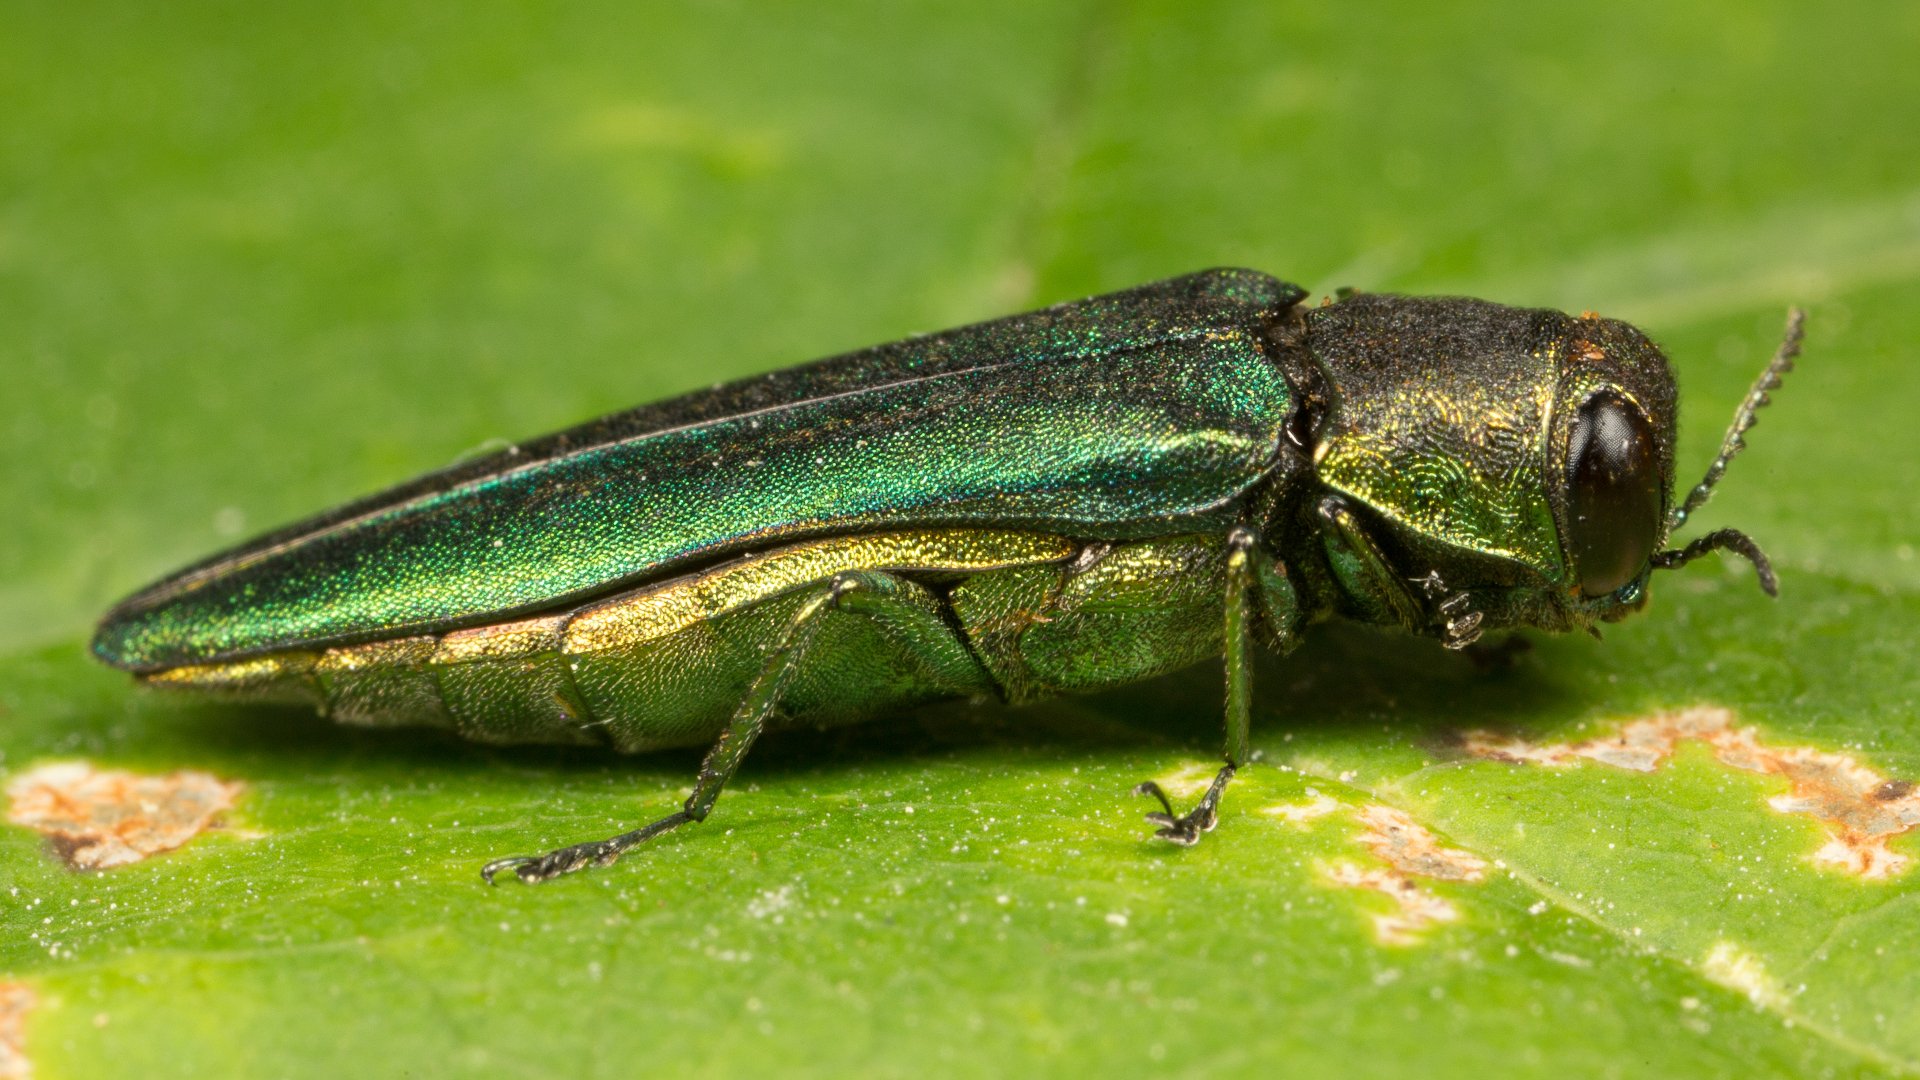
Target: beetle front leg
x,y
749,720
1186,829
1419,605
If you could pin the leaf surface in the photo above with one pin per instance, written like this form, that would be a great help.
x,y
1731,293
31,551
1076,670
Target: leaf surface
x,y
252,264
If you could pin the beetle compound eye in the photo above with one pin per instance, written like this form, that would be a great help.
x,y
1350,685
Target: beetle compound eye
x,y
1613,487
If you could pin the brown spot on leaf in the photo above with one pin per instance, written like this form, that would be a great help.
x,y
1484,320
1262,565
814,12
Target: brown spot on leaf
x,y
1410,852
16,1001
1406,845
1861,809
100,818
1892,789
1418,907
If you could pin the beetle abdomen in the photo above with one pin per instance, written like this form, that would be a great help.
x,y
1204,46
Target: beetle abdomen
x,y
665,665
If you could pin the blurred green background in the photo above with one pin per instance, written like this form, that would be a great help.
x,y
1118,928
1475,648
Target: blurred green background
x,y
256,260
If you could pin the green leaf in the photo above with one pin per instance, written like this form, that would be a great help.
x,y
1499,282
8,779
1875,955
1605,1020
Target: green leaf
x,y
254,262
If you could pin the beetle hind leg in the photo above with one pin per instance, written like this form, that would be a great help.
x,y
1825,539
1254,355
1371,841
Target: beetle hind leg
x,y
867,593
1186,829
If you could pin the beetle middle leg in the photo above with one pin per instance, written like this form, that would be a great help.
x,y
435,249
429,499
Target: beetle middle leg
x,y
868,593
1186,829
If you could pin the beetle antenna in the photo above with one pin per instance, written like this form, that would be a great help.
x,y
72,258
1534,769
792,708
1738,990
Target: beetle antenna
x,y
1723,539
1743,419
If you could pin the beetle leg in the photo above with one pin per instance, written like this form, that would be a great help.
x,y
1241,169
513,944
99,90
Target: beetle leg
x,y
1363,570
842,591
1242,550
1461,622
1415,603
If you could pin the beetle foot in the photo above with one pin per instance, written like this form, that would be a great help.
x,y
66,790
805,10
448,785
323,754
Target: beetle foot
x,y
533,869
1459,622
1186,829
1462,626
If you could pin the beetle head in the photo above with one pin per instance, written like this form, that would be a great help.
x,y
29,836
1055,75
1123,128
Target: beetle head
x,y
1609,465
1522,456
1617,463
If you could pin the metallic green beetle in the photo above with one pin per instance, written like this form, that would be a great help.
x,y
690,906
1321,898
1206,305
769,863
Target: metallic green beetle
x,y
1060,501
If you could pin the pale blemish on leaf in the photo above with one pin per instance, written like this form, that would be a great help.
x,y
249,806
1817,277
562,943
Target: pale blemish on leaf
x,y
1861,809
1409,852
16,1001
1303,814
100,818
1189,780
1744,973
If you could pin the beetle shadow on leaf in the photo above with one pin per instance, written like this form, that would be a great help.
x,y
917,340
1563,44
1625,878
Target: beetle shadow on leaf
x,y
262,740
299,740
1344,681
1349,680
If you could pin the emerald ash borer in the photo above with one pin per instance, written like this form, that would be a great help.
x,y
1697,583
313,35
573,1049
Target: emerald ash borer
x,y
1054,502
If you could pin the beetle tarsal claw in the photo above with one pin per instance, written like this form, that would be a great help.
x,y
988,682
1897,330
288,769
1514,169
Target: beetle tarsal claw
x,y
1183,830
1186,829
1148,787
1432,585
511,862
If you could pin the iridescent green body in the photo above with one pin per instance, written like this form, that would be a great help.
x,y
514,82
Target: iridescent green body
x,y
1147,412
1054,502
